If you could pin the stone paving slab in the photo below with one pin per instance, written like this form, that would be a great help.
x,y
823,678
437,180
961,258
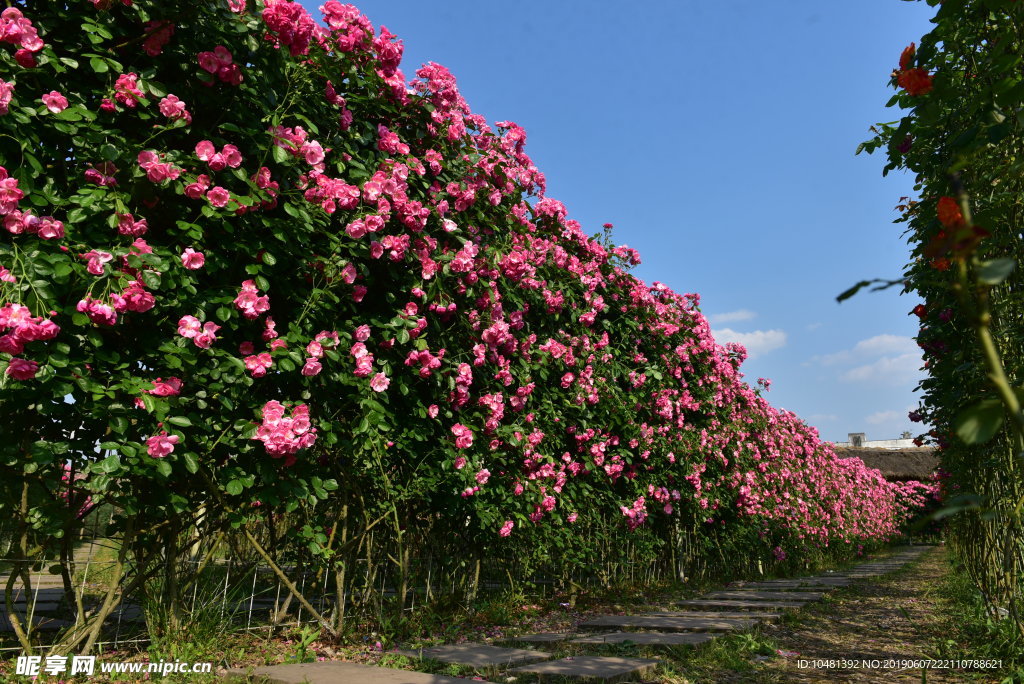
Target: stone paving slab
x,y
739,604
544,637
335,673
746,614
477,655
752,595
795,583
590,667
647,638
670,623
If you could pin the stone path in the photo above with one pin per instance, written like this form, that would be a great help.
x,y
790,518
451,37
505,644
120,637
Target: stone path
x,y
735,608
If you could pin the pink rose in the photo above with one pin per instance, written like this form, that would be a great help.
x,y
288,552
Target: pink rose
x,y
192,259
218,196
161,445
22,369
55,102
311,368
379,382
506,529
171,387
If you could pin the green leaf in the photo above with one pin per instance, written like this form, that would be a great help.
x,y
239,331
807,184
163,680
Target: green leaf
x,y
151,279
163,467
269,259
846,294
191,464
148,402
979,423
995,271
108,465
180,421
98,65
234,487
280,155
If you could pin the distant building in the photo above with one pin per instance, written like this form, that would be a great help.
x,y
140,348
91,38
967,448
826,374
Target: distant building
x,y
859,439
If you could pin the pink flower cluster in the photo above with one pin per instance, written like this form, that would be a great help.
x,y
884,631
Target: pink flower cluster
x,y
463,436
156,170
201,334
291,26
250,302
20,327
16,29
18,222
126,90
283,436
174,109
220,63
217,161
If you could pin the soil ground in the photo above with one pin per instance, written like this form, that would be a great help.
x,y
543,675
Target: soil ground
x,y
895,617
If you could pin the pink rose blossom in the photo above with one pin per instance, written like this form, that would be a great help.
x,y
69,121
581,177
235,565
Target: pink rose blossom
x,y
251,304
55,102
312,367
259,364
161,445
22,369
174,109
171,387
218,196
506,529
379,382
6,93
204,339
192,259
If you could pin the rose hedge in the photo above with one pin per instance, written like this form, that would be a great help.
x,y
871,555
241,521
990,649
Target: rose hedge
x,y
246,263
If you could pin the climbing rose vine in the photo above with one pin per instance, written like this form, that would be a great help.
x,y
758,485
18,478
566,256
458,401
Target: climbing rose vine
x,y
247,261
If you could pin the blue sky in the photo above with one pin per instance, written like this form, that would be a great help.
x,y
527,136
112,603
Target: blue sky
x,y
718,138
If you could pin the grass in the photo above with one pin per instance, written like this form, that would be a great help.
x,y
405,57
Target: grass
x,y
971,633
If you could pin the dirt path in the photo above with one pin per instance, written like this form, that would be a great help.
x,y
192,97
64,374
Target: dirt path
x,y
892,618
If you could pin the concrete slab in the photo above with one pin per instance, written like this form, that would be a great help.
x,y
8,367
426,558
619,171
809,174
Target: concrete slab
x,y
753,595
670,623
335,673
591,667
477,655
543,637
738,604
647,638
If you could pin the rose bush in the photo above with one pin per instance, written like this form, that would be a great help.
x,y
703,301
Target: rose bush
x,y
250,271
960,134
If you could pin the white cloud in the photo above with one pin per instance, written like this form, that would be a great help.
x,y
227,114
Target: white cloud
x,y
757,342
731,317
879,345
893,370
886,344
883,417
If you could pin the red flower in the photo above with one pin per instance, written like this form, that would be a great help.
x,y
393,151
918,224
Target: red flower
x,y
920,311
949,212
915,81
906,57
